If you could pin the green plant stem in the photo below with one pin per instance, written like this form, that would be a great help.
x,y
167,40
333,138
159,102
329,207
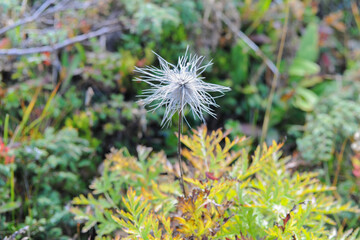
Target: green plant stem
x,y
327,176
179,154
275,78
45,112
6,129
12,190
339,158
12,178
26,115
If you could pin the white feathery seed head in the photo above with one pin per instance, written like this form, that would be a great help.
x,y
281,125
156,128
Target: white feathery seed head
x,y
180,86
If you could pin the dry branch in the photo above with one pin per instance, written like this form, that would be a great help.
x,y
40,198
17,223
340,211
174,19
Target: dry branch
x,y
55,47
33,17
19,232
43,11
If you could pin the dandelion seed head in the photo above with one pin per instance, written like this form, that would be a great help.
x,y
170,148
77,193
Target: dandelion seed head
x,y
176,87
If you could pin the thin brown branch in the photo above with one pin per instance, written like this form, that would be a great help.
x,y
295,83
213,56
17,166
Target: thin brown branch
x,y
31,18
64,7
58,46
44,11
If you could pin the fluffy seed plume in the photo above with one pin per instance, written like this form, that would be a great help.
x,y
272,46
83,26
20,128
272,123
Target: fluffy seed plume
x,y
176,87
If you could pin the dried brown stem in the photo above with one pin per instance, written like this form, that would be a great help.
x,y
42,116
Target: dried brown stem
x,y
31,18
58,46
43,11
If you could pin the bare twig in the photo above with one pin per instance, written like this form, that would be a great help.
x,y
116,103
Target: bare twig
x,y
19,232
42,8
26,20
45,11
250,43
62,7
58,46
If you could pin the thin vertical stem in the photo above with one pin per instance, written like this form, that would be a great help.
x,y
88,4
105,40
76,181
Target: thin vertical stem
x,y
6,129
339,158
12,190
179,154
276,77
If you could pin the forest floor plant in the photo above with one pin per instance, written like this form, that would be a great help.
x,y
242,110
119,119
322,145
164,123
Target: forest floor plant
x,y
232,195
175,88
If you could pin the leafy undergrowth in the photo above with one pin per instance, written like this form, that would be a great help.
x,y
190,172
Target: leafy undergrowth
x,y
230,195
38,178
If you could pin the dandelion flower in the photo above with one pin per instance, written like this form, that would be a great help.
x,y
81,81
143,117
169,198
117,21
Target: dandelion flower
x,y
180,86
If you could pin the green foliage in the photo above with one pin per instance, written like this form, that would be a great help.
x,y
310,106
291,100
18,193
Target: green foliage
x,y
7,201
230,195
120,171
303,69
137,216
326,140
54,169
335,118
240,60
308,48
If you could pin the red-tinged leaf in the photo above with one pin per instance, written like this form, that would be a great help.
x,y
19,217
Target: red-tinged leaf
x,y
47,60
9,159
325,60
58,25
356,172
211,176
5,43
141,62
287,96
286,219
84,26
